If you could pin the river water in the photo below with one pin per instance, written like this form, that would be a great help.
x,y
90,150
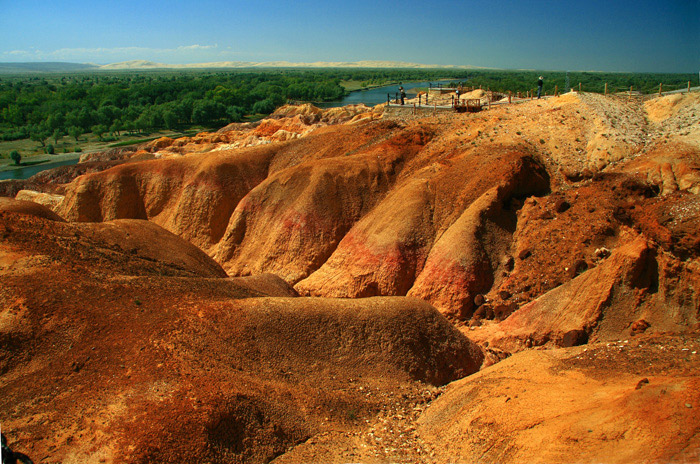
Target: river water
x,y
29,171
376,95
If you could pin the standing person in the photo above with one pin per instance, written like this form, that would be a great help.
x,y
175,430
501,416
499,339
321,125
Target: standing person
x,y
402,94
540,83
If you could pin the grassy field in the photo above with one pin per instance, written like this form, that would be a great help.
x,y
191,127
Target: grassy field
x,y
87,143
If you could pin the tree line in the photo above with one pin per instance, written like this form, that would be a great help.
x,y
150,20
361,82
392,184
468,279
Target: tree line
x,y
52,105
522,81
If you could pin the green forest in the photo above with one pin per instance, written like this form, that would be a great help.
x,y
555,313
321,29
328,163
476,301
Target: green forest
x,y
50,106
46,107
522,81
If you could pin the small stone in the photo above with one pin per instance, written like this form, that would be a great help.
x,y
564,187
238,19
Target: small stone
x,y
602,252
642,383
688,405
639,327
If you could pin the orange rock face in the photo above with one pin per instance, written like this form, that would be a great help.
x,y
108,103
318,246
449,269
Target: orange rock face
x,y
136,341
347,238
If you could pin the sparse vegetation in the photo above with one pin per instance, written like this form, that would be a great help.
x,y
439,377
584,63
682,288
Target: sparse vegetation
x,y
16,157
523,81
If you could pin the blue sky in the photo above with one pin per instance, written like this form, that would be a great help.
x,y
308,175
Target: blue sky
x,y
655,36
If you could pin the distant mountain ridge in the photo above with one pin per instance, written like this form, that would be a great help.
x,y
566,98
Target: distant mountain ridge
x,y
144,64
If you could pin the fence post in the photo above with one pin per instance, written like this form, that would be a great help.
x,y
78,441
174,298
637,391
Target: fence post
x,y
630,92
556,90
661,84
388,99
419,98
606,89
579,87
510,97
688,86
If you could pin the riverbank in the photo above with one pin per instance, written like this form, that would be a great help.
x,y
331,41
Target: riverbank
x,y
38,160
377,95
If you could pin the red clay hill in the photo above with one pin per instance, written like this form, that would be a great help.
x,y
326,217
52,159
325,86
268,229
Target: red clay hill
x,y
310,288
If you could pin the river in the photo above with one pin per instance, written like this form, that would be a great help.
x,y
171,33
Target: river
x,y
377,95
29,171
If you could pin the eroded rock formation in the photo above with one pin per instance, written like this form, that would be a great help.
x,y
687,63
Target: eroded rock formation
x,y
190,307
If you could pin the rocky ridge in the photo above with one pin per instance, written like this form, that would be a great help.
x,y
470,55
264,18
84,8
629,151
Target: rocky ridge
x,y
549,230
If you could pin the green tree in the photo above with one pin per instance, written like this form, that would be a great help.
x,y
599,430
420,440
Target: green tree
x,y
99,130
75,132
16,157
235,113
13,115
170,119
116,127
57,134
55,121
39,133
264,106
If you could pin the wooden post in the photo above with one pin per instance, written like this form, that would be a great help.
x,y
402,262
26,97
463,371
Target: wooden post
x,y
419,97
630,92
453,101
510,97
661,84
579,87
388,99
606,88
556,90
688,86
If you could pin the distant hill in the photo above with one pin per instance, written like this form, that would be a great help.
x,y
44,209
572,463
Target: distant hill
x,y
141,64
10,68
39,67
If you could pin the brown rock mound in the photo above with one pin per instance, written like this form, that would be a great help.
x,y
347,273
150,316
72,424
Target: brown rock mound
x,y
120,334
28,207
293,221
603,303
580,404
390,336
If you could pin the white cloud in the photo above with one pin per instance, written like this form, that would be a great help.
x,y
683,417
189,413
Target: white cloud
x,y
197,47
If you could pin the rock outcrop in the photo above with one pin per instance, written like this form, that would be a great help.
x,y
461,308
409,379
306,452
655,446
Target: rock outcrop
x,y
548,224
614,402
161,357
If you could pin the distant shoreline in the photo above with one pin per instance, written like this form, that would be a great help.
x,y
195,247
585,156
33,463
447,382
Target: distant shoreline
x,y
38,160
